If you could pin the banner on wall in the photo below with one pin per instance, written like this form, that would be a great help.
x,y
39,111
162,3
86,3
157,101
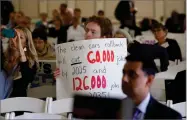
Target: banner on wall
x,y
44,75
92,67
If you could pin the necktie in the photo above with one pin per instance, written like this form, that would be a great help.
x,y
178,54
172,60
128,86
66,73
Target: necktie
x,y
137,114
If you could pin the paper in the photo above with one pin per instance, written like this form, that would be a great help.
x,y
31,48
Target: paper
x,y
44,75
92,67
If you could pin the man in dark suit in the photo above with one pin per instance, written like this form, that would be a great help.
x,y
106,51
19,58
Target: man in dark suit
x,y
138,75
151,52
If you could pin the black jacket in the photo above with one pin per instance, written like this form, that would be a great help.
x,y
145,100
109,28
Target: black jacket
x,y
156,110
6,8
150,52
173,50
28,75
174,87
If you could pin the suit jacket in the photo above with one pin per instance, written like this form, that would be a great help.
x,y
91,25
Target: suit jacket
x,y
174,87
150,52
173,50
156,110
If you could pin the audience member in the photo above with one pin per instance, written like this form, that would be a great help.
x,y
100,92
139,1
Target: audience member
x,y
6,81
171,45
55,14
150,52
18,15
21,56
77,14
66,15
24,21
44,49
138,76
43,20
11,22
172,23
56,30
145,24
123,34
97,27
6,8
75,32
28,22
125,13
101,13
182,23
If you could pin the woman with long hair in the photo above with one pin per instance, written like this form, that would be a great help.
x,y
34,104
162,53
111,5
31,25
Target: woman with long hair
x,y
21,55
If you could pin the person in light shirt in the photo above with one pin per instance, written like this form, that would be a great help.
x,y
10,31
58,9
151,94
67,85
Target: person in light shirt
x,y
76,31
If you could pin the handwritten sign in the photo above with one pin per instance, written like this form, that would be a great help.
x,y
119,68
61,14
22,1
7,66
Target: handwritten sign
x,y
44,75
92,67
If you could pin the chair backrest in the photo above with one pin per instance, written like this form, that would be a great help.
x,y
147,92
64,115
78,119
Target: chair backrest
x,y
60,106
44,116
23,104
179,107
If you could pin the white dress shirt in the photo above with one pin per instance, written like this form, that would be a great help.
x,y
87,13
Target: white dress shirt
x,y
143,105
77,33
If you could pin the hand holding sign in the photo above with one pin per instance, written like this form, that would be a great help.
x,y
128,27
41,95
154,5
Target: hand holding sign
x,y
56,73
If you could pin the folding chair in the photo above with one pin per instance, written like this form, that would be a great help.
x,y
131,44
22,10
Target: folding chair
x,y
23,104
61,106
179,107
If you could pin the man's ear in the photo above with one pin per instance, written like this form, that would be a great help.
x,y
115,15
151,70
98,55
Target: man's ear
x,y
150,80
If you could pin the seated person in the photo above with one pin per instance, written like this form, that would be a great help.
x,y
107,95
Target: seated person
x,y
44,49
43,20
76,31
54,31
173,49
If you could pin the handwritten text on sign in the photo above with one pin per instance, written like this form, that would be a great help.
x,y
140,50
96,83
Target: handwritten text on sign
x,y
93,67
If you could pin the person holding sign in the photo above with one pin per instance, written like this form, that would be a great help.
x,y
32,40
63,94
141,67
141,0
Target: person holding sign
x,y
138,76
44,49
95,27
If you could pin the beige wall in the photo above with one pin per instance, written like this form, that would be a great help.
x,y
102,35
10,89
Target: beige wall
x,y
146,8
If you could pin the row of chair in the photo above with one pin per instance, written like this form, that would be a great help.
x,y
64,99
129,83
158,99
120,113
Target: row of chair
x,y
39,109
50,109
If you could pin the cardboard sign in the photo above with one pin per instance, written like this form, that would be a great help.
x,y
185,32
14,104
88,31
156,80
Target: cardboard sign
x,y
92,67
44,75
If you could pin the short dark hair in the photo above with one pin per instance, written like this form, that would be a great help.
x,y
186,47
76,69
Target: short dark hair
x,y
40,33
64,5
148,66
77,9
104,23
158,26
100,12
